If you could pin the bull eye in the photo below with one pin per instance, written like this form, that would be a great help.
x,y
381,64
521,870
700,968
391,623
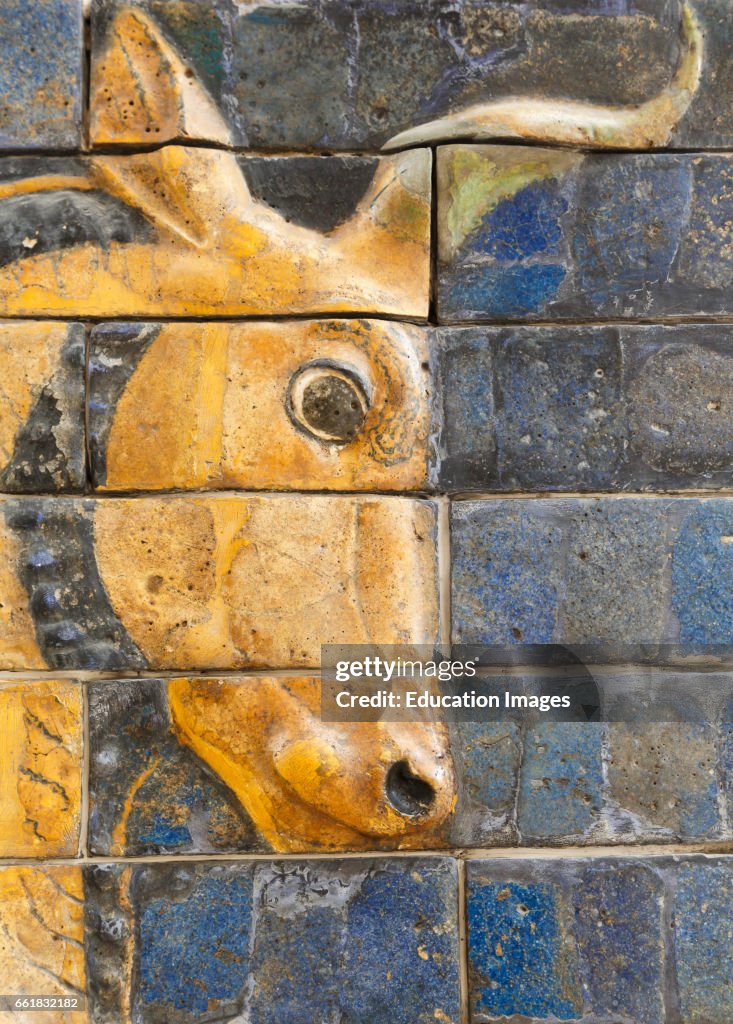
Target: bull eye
x,y
329,402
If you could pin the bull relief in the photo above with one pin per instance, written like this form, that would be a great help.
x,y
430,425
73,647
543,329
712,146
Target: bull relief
x,y
180,231
307,310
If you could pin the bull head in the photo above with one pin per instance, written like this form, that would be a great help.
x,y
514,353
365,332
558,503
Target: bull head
x,y
307,784
177,231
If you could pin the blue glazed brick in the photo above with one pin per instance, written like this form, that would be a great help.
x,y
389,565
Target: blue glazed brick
x,y
561,781
213,911
521,952
148,792
356,942
487,757
167,944
618,930
41,74
702,585
663,777
554,940
302,914
584,408
657,770
626,229
703,938
505,576
677,392
583,570
285,942
709,119
532,234
726,747
555,411
465,449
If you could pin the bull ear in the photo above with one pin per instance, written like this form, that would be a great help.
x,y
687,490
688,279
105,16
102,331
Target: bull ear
x,y
143,92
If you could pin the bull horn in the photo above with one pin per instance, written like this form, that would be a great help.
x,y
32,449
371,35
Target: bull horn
x,y
565,122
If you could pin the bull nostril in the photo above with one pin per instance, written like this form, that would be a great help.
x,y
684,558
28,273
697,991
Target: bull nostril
x,y
409,794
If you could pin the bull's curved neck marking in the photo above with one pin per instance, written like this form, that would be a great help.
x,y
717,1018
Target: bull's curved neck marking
x,y
76,626
569,123
115,355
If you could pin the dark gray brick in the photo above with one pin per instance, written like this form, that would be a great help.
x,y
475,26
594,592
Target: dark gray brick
x,y
584,408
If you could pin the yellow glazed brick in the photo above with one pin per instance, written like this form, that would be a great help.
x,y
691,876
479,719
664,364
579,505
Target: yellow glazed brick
x,y
182,230
309,784
184,582
339,405
40,768
41,939
190,231
41,406
294,781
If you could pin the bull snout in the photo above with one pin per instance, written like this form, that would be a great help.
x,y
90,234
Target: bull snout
x,y
391,783
309,784
418,783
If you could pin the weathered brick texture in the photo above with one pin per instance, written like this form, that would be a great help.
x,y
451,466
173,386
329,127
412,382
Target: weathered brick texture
x,y
543,937
593,408
41,74
533,234
332,76
302,405
41,768
215,582
621,570
183,231
387,323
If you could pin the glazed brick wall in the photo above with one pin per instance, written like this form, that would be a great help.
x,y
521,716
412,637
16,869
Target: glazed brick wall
x,y
266,385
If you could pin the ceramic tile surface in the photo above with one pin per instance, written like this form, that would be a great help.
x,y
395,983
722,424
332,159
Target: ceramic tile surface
x,y
334,76
40,768
42,435
295,941
542,937
338,404
587,570
194,231
244,764
545,234
42,946
161,582
240,764
41,74
584,408
390,325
